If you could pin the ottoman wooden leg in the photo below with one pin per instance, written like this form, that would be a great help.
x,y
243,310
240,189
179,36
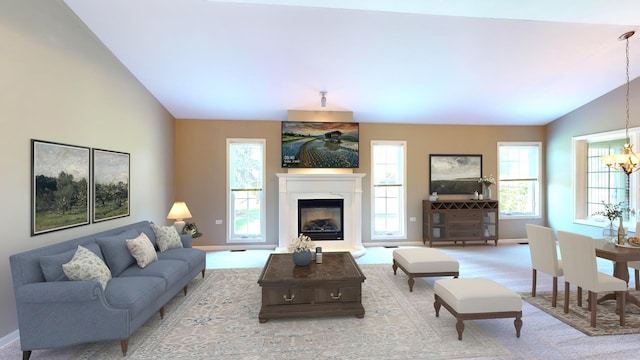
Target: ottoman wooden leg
x,y
411,282
460,328
437,305
518,324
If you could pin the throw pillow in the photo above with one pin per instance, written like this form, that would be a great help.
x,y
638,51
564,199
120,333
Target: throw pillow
x,y
142,249
167,237
51,265
115,251
85,265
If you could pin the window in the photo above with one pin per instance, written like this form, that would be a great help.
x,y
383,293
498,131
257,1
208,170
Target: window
x,y
519,179
594,183
245,163
604,184
388,189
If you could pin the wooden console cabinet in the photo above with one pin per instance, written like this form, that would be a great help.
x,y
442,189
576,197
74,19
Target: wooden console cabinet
x,y
459,221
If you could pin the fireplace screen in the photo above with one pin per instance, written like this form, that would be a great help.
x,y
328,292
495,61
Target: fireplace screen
x,y
321,219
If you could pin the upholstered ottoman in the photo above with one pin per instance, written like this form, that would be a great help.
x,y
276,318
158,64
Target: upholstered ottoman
x,y
477,298
424,262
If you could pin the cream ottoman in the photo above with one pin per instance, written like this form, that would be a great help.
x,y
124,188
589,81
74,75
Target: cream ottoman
x,y
424,262
477,298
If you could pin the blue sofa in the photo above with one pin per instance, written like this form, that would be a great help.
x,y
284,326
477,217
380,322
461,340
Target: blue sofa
x,y
54,311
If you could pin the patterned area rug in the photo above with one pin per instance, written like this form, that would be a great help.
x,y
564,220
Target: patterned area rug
x,y
607,321
219,320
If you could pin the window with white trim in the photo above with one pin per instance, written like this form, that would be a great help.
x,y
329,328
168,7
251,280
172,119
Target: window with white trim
x,y
245,189
519,171
595,184
388,167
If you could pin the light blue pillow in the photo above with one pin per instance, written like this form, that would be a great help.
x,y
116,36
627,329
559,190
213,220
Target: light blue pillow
x,y
115,251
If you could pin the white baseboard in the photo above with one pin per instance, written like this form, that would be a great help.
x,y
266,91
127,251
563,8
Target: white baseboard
x,y
9,338
235,247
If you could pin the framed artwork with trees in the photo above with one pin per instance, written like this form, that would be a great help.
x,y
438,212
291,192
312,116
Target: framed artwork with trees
x,y
59,186
110,184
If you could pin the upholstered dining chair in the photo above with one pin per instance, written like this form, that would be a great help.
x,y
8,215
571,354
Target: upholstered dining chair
x,y
636,264
581,269
544,257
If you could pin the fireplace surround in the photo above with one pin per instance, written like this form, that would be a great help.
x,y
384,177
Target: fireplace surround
x,y
304,186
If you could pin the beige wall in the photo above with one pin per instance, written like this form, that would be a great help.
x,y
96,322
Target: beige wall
x,y
201,167
60,84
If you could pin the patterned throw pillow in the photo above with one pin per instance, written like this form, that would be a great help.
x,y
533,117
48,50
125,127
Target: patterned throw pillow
x,y
167,237
85,265
142,249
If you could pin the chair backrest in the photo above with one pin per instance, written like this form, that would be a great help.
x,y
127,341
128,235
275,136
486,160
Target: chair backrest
x,y
578,259
542,246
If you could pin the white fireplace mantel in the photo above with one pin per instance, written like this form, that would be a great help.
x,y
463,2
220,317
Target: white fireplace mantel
x,y
293,187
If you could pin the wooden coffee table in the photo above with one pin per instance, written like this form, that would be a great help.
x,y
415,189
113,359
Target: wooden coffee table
x,y
332,288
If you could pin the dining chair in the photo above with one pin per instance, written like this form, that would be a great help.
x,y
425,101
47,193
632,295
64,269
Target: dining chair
x,y
544,257
581,269
636,264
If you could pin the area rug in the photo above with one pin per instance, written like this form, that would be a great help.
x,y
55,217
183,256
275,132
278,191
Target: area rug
x,y
607,321
218,319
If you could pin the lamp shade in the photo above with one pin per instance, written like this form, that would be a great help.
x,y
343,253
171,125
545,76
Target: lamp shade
x,y
179,211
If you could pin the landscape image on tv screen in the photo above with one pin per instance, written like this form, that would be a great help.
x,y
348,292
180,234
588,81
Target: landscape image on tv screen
x,y
319,144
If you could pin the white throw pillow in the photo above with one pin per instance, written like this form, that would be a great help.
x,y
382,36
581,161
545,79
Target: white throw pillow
x,y
85,265
167,237
142,249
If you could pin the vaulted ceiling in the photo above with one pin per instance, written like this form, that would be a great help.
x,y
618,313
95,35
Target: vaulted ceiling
x,y
396,61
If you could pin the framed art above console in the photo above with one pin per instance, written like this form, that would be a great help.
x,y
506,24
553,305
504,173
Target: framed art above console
x,y
455,173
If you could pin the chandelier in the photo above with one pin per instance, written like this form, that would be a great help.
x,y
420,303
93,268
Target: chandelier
x,y
627,161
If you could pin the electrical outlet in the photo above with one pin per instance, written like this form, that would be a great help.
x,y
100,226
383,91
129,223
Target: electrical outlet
x,y
412,219
218,222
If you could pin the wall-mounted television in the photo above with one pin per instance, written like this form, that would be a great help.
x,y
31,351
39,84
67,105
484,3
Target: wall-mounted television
x,y
307,144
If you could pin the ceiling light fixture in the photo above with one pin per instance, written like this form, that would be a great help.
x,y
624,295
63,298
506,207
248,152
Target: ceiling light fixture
x,y
323,98
627,161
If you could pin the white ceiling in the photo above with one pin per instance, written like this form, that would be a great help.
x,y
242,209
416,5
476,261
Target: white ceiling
x,y
406,61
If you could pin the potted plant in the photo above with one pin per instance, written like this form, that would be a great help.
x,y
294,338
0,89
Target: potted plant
x,y
300,248
486,182
612,212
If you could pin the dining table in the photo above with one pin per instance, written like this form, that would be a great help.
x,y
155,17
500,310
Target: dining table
x,y
620,255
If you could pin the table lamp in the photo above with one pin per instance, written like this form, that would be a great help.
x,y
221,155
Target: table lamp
x,y
179,211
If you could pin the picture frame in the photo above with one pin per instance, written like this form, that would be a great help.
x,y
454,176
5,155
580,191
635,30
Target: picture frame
x,y
455,173
111,184
60,178
320,145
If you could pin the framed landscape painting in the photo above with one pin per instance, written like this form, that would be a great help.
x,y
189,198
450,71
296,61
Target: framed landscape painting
x,y
110,184
455,174
59,186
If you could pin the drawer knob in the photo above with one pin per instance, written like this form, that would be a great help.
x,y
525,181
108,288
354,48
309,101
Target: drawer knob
x,y
289,299
336,297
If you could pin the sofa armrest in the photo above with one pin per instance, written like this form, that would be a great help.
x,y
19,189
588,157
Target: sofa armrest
x,y
186,240
59,291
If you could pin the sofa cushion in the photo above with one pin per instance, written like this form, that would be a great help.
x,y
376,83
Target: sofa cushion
x,y
172,271
85,265
51,265
142,250
115,251
167,237
194,257
134,293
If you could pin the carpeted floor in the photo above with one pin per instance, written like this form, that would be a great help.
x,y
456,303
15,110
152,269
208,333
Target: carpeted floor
x,y
607,321
219,319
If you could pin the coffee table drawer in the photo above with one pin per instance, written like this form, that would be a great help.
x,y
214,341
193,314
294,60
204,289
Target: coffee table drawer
x,y
285,296
340,294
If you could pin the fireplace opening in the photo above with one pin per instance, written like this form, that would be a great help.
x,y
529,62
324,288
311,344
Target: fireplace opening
x,y
321,219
